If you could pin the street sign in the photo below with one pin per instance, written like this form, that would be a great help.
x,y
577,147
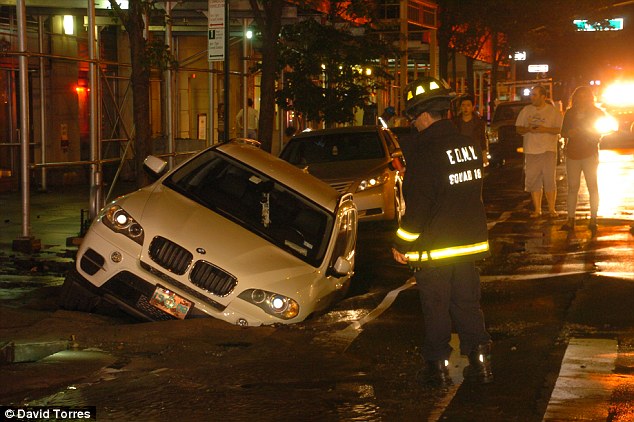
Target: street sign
x,y
538,68
216,31
607,25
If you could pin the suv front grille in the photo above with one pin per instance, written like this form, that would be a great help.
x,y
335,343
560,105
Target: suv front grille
x,y
169,255
212,279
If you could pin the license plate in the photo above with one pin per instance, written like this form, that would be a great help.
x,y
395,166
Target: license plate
x,y
171,303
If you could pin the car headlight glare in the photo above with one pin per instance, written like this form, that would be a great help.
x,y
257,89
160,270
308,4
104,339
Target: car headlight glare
x,y
272,303
606,125
371,182
278,303
119,221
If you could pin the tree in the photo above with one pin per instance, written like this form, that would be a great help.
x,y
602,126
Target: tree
x,y
144,54
269,22
458,33
327,73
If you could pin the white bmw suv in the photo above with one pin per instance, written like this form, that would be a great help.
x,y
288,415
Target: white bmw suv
x,y
233,233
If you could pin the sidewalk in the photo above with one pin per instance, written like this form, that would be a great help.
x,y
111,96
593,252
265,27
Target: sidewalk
x,y
55,217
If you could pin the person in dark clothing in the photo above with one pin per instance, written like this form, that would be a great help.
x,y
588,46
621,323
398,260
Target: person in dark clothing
x,y
469,123
444,231
582,153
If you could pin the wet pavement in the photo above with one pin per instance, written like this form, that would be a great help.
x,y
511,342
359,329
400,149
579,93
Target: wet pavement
x,y
542,289
55,218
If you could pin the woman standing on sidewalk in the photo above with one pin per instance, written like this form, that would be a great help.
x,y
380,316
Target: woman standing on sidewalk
x,y
582,152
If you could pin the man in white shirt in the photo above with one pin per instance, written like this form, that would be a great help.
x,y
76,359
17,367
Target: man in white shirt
x,y
253,118
540,123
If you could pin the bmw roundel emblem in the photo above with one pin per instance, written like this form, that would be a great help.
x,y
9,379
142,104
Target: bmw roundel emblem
x,y
201,251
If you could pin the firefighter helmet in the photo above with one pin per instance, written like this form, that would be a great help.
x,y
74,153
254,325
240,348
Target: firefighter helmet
x,y
427,94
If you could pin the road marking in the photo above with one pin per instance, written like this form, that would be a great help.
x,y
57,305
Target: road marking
x,y
583,388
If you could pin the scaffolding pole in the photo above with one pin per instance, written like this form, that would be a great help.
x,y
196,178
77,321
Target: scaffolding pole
x,y
43,128
26,243
96,173
169,88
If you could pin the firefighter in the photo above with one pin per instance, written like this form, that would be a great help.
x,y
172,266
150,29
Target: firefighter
x,y
444,231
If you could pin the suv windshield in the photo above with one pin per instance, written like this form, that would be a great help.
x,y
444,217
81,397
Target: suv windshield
x,y
331,148
256,202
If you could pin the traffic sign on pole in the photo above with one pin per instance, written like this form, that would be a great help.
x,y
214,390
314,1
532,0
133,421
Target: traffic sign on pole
x,y
216,31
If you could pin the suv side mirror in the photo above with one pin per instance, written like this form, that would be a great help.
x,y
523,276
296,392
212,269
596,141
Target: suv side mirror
x,y
398,161
341,268
155,165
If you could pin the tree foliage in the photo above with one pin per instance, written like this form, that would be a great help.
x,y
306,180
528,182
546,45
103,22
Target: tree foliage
x,y
304,91
327,71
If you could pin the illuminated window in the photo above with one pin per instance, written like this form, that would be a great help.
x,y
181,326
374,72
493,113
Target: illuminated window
x,y
69,25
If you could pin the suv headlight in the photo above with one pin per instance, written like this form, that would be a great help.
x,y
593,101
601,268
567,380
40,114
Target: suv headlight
x,y
370,182
492,135
272,303
119,221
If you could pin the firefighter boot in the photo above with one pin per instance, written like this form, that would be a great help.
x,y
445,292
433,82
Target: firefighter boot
x,y
479,368
437,373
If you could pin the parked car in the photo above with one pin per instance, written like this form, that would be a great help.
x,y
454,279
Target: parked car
x,y
363,160
504,141
233,233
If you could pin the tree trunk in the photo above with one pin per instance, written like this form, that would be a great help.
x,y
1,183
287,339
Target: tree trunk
x,y
140,80
132,20
270,25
